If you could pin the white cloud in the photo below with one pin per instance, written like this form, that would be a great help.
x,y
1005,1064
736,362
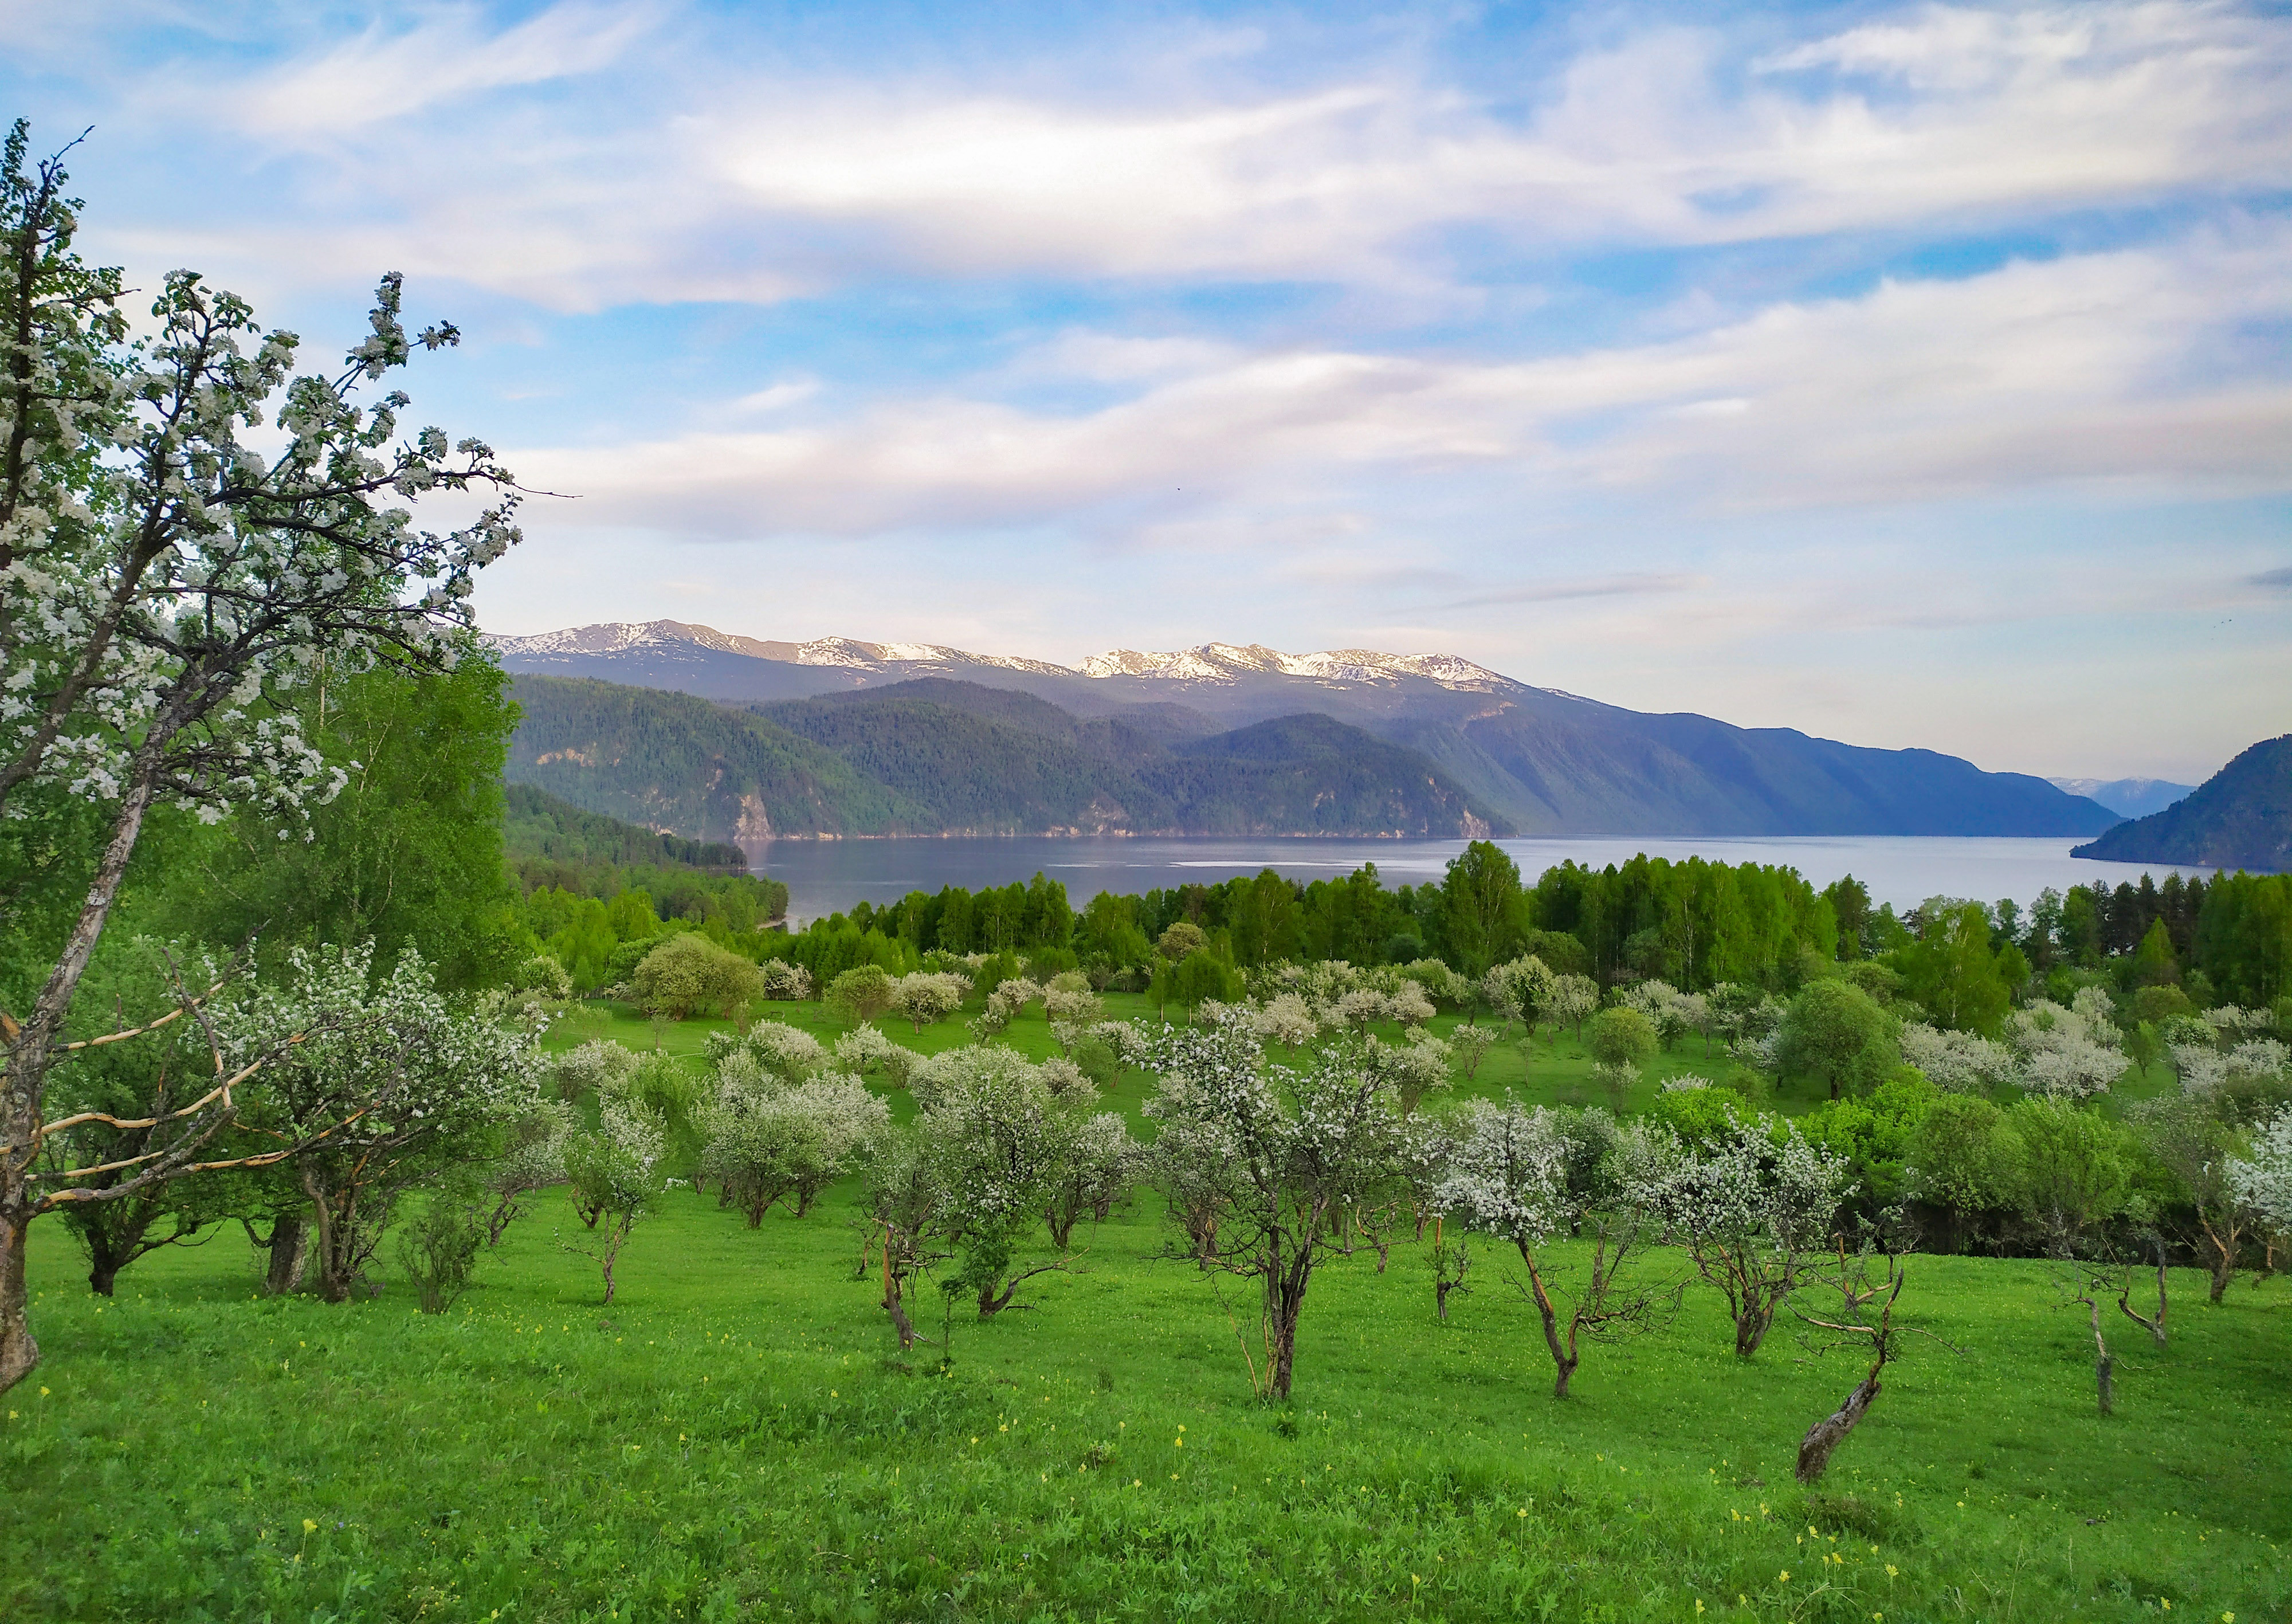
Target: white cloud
x,y
2093,368
680,176
388,74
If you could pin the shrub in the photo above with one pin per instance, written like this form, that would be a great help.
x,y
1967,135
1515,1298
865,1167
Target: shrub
x,y
438,1250
541,973
688,972
862,993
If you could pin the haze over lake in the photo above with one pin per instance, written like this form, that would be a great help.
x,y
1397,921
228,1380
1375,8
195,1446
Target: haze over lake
x,y
825,876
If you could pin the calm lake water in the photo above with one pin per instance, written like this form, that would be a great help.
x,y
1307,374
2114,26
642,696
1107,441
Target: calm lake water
x,y
825,877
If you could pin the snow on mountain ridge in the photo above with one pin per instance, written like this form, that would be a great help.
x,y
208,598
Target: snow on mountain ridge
x,y
1214,662
1224,662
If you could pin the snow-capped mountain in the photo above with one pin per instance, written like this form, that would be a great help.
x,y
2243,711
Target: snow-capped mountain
x,y
621,636
1543,759
1223,663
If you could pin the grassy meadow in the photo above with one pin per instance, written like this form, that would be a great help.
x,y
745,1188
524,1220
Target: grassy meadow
x,y
736,1437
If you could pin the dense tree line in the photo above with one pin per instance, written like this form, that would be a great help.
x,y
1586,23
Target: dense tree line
x,y
1693,924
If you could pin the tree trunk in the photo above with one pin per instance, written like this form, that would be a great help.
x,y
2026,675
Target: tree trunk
x,y
1564,1357
1751,1326
102,1270
2103,1365
290,1251
335,1231
893,1306
1289,1304
18,1352
2224,1244
30,1054
1827,1434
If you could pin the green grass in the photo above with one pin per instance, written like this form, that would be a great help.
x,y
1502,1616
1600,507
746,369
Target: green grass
x,y
738,1437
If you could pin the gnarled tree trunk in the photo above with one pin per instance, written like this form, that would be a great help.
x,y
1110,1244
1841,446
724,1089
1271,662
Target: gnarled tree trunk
x,y
290,1250
1564,1357
18,1352
1827,1434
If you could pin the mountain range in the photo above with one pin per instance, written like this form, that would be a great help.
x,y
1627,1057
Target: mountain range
x,y
1429,744
936,757
2240,818
2127,797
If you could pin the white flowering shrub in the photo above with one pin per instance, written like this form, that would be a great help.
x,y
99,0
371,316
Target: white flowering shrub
x,y
1574,1000
2262,1177
2209,1071
869,1046
1409,1005
2069,1054
1070,998
1412,1068
1300,1151
1468,1046
1524,1177
617,1171
786,982
1097,1162
928,996
1961,1063
1130,1045
786,1052
379,1101
597,1067
1359,1009
1666,1007
1287,1019
1752,1209
997,1139
765,1142
1521,991
2234,1021
935,1076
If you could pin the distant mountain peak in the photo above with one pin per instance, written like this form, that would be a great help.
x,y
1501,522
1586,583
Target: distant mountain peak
x,y
2127,797
1226,662
619,636
1212,662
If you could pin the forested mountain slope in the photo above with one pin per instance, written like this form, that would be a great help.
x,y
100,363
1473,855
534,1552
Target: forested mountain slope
x,y
946,758
2240,818
669,761
1540,759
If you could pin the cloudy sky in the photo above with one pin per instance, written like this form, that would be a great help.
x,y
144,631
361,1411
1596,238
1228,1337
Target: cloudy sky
x,y
1912,374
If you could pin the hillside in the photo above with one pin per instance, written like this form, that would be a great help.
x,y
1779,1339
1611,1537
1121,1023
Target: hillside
x,y
938,756
2240,818
1538,759
674,762
537,825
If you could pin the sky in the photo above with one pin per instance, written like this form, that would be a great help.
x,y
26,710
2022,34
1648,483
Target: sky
x,y
1908,375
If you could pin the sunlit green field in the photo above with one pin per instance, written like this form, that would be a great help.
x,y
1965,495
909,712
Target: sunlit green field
x,y
737,1436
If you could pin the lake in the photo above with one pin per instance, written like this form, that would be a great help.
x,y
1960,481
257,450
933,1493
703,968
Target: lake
x,y
825,877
